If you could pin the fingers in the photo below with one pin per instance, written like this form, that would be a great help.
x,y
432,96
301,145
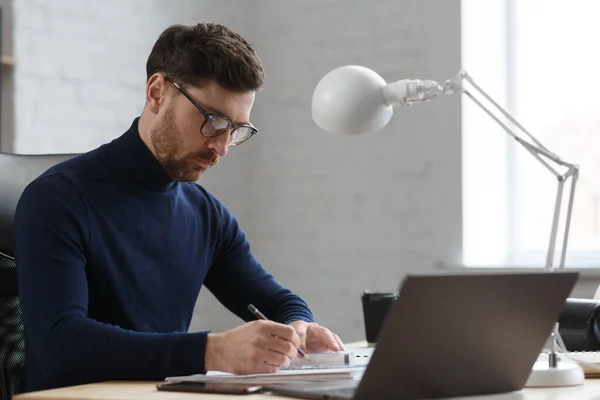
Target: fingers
x,y
264,368
284,332
281,339
331,342
255,347
300,327
322,339
339,342
277,359
282,347
270,353
302,336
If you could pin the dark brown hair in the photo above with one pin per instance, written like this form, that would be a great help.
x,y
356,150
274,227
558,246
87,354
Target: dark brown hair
x,y
194,55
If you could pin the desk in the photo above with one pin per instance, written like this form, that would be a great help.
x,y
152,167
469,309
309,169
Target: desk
x,y
147,390
127,391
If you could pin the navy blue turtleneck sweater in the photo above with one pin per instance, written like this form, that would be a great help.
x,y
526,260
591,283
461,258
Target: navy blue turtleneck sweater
x,y
111,254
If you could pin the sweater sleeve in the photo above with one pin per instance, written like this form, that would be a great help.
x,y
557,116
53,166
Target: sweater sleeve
x,y
51,229
237,279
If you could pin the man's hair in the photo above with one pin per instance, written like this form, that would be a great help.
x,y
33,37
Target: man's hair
x,y
195,55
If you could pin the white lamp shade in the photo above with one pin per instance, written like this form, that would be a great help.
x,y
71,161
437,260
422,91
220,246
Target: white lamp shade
x,y
350,100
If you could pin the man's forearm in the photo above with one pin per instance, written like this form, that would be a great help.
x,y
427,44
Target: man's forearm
x,y
80,348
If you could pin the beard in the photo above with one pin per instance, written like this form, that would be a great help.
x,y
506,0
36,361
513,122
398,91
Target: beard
x,y
167,142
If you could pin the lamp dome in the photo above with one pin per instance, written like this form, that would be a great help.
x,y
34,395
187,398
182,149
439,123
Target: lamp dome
x,y
350,100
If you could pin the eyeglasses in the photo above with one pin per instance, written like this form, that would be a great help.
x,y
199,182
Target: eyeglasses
x,y
215,125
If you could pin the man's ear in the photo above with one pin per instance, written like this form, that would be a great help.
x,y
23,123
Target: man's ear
x,y
156,92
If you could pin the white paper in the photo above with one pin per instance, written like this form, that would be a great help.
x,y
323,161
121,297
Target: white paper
x,y
282,376
333,359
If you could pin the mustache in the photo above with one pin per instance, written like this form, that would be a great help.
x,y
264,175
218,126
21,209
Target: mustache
x,y
208,158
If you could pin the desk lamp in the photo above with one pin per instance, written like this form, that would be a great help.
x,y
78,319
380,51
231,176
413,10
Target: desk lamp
x,y
354,100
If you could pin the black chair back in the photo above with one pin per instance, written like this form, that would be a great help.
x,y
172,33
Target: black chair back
x,y
16,172
12,339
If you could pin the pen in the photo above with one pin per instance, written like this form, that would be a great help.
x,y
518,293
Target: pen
x,y
260,315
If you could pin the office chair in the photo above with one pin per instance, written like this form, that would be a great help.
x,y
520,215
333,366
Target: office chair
x,y
16,172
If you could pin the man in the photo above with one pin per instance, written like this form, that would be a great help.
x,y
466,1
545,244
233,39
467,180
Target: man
x,y
113,246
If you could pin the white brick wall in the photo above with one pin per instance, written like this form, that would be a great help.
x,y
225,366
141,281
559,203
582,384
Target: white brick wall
x,y
329,216
80,74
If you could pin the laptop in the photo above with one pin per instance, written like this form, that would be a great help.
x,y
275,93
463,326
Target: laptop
x,y
457,334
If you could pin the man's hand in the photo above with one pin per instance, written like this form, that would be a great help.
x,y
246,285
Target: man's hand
x,y
255,347
316,339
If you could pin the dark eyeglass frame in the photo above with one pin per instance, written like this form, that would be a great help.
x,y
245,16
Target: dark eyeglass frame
x,y
208,115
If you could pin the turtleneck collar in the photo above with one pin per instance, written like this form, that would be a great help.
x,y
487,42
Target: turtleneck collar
x,y
136,163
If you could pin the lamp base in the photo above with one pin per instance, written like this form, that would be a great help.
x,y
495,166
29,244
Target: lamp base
x,y
563,374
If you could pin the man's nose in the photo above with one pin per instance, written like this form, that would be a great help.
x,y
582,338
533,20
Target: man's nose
x,y
220,144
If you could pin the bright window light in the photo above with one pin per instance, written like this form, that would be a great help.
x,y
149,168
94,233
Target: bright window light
x,y
538,60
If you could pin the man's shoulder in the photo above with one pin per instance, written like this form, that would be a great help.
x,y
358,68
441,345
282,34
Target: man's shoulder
x,y
52,184
59,178
71,165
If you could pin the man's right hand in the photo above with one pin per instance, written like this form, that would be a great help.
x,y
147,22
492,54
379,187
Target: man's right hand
x,y
255,347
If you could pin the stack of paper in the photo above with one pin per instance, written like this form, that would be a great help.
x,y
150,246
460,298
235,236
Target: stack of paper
x,y
283,376
333,359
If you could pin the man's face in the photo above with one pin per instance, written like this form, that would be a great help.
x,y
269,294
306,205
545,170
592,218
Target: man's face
x,y
175,134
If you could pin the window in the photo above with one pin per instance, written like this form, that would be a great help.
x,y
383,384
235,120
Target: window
x,y
537,59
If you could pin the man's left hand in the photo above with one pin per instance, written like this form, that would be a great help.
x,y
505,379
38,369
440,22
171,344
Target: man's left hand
x,y
317,339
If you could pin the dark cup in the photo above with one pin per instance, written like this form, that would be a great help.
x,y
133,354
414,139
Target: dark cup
x,y
375,309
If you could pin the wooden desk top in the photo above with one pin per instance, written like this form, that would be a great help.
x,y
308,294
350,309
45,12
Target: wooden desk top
x,y
125,391
147,390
